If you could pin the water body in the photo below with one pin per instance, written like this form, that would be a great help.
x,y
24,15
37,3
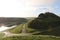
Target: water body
x,y
2,28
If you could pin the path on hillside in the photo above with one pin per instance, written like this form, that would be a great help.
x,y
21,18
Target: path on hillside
x,y
23,28
23,32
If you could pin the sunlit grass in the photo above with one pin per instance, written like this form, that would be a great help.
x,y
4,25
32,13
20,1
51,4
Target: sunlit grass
x,y
16,29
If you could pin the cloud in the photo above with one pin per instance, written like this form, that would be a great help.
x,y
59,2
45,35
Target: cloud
x,y
48,9
40,2
28,7
22,8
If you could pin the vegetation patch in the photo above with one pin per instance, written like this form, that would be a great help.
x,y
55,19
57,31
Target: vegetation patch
x,y
17,29
32,37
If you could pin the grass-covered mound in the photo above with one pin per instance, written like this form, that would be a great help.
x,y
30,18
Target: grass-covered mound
x,y
32,37
47,23
16,29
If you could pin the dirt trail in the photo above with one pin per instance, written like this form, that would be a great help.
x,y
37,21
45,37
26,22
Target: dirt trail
x,y
23,33
23,29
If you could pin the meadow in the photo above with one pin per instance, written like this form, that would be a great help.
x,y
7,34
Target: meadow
x,y
32,37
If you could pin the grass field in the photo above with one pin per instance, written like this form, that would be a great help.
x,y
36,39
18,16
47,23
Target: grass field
x,y
16,29
1,35
32,37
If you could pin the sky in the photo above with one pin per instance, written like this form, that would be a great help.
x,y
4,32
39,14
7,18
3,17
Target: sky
x,y
28,8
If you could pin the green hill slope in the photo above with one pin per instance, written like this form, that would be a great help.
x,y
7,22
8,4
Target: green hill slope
x,y
46,21
18,28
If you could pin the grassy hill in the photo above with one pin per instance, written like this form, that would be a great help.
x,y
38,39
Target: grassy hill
x,y
40,21
48,23
18,29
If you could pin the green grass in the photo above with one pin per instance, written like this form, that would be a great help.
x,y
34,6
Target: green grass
x,y
1,35
28,29
17,29
32,37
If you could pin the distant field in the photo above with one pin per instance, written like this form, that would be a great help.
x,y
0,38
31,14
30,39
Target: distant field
x,y
32,37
